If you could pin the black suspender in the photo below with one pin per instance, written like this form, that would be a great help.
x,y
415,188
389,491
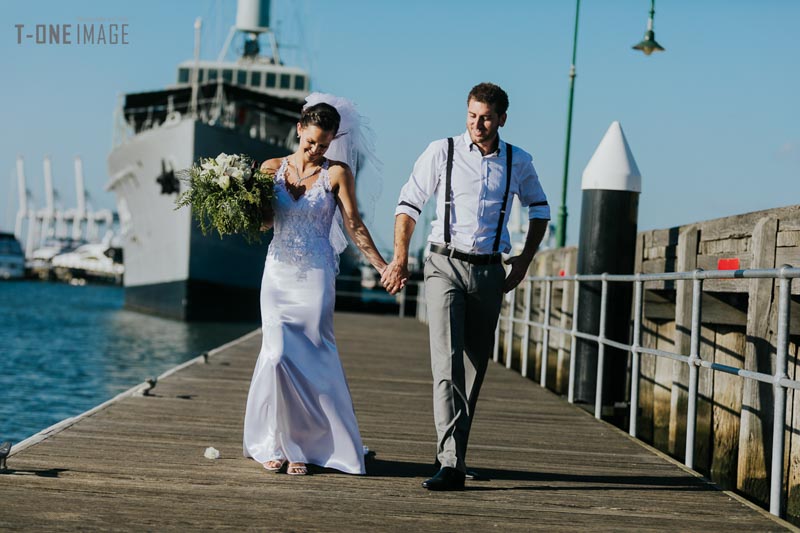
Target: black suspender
x,y
505,200
448,193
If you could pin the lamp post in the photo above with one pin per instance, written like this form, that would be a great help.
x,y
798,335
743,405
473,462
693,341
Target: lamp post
x,y
561,228
648,46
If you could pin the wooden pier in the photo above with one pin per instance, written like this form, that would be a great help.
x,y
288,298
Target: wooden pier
x,y
137,463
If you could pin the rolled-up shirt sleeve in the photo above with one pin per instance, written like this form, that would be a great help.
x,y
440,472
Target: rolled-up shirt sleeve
x,y
422,183
531,193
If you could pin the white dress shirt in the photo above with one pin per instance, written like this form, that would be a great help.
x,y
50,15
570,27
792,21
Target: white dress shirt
x,y
478,184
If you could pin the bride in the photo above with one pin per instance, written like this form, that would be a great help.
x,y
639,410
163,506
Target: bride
x,y
299,409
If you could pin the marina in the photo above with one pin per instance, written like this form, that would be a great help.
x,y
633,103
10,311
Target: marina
x,y
73,244
138,463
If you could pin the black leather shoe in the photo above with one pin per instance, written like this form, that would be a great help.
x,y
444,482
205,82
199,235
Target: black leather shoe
x,y
472,475
447,478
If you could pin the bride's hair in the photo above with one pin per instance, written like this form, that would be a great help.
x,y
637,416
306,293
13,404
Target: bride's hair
x,y
322,115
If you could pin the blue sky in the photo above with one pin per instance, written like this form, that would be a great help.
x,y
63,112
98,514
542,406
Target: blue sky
x,y
712,122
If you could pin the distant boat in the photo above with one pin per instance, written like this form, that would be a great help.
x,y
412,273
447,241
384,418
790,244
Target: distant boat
x,y
12,258
40,261
92,262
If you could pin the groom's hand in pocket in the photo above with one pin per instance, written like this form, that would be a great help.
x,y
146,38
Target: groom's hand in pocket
x,y
519,269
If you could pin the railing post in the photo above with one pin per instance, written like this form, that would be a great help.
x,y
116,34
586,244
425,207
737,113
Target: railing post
x,y
402,303
694,365
573,343
546,333
601,350
635,355
779,413
422,304
510,332
526,336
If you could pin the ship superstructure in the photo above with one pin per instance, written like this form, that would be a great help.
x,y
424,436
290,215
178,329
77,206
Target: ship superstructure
x,y
250,106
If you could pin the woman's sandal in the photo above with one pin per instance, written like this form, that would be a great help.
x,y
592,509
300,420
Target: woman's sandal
x,y
297,469
275,465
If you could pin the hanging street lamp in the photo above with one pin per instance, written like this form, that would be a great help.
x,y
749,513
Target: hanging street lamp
x,y
649,44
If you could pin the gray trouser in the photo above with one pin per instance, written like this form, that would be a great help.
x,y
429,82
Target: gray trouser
x,y
463,302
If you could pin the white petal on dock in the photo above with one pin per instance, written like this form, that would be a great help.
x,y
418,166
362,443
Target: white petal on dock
x,y
211,453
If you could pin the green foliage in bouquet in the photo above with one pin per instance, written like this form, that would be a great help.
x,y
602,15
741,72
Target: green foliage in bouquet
x,y
228,194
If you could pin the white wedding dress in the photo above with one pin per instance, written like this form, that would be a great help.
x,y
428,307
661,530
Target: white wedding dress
x,y
299,406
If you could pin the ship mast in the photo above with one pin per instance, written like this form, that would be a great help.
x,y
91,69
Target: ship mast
x,y
252,18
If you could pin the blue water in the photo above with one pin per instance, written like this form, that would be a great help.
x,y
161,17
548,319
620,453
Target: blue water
x,y
65,349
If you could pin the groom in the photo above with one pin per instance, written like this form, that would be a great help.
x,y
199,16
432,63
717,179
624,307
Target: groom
x,y
472,177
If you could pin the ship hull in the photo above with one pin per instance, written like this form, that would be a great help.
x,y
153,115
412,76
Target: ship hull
x,y
172,269
195,300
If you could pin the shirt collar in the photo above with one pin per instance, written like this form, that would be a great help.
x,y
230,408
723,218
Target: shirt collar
x,y
501,146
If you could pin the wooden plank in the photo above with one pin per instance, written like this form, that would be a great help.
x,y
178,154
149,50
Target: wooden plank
x,y
518,329
792,458
138,464
662,387
639,254
740,226
787,256
664,237
659,304
647,372
687,261
717,308
756,421
654,266
726,285
564,340
733,227
705,404
538,303
727,395
709,262
725,247
789,218
659,252
788,238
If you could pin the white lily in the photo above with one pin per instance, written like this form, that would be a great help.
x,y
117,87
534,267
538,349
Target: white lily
x,y
234,173
222,159
224,182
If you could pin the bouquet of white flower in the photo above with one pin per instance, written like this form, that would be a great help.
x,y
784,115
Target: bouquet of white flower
x,y
228,193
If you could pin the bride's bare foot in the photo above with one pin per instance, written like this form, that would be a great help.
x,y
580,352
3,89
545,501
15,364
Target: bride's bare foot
x,y
297,469
274,465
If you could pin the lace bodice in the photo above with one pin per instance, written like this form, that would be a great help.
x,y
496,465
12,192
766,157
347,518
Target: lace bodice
x,y
302,226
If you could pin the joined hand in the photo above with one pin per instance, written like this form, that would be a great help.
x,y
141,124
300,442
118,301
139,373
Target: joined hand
x,y
394,277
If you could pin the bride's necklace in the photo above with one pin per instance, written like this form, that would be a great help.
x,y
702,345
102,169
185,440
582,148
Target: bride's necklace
x,y
300,177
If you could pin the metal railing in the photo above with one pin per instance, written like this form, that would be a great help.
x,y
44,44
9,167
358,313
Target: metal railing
x,y
401,298
779,380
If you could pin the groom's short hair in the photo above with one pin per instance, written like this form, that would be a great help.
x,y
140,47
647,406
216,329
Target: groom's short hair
x,y
491,94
